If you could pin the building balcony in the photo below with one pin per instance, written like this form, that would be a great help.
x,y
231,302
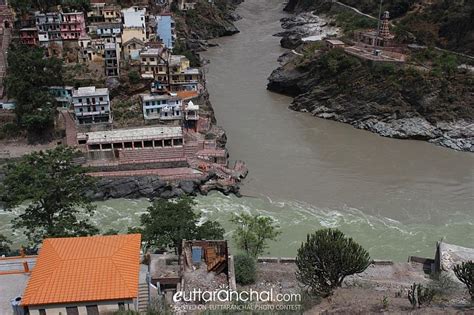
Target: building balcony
x,y
104,102
170,117
192,117
184,81
96,113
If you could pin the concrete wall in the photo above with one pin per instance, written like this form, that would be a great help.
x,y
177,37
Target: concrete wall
x,y
105,307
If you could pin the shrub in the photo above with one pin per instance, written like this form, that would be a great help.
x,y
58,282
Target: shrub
x,y
245,269
419,295
465,273
134,77
11,129
326,258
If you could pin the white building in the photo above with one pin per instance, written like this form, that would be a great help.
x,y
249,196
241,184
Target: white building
x,y
133,18
91,105
164,107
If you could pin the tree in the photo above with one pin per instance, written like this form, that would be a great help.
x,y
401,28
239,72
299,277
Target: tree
x,y
55,188
210,230
29,76
253,232
245,269
134,77
4,245
326,258
168,222
465,273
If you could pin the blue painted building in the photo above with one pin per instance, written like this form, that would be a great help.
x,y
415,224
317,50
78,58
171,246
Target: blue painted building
x,y
165,29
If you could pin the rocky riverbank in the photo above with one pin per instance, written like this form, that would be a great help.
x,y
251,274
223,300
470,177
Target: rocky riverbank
x,y
433,103
155,187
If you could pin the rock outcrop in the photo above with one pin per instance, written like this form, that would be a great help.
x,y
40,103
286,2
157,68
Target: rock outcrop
x,y
154,187
397,102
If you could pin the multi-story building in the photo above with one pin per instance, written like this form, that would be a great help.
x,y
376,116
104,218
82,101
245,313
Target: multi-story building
x,y
165,29
153,63
63,95
131,49
106,29
49,26
91,105
177,75
162,106
103,12
134,18
112,59
91,49
129,33
29,36
73,25
111,13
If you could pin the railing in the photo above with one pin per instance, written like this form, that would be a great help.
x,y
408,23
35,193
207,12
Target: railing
x,y
101,112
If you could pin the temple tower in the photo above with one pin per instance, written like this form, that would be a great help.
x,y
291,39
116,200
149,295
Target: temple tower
x,y
384,29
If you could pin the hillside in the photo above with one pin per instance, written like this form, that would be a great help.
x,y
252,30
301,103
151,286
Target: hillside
x,y
444,23
400,102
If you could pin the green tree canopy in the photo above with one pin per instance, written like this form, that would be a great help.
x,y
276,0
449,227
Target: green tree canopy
x,y
168,222
245,269
29,76
253,232
4,245
326,258
54,188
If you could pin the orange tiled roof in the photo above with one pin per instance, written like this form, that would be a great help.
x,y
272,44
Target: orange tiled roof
x,y
184,95
83,269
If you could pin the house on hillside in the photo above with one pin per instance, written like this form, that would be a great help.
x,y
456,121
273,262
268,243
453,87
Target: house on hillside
x,y
134,19
162,106
91,105
73,25
165,29
85,275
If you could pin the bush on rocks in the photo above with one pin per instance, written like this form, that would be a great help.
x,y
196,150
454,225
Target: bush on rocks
x,y
245,269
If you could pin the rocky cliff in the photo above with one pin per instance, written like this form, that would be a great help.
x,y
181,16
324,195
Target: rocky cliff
x,y
401,102
206,21
444,23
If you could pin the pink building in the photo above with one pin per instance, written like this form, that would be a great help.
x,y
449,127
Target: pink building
x,y
73,26
29,36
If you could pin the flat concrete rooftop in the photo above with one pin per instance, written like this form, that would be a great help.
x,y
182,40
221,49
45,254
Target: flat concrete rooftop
x,y
137,134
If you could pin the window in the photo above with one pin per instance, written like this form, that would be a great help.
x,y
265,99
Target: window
x,y
121,306
42,311
72,310
80,100
101,99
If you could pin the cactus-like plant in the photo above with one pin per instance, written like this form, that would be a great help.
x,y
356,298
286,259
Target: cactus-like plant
x,y
326,258
465,273
418,295
412,295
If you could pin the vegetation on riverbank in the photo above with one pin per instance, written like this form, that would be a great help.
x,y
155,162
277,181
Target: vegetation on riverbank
x,y
444,23
28,79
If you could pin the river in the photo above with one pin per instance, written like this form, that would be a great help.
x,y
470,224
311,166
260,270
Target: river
x,y
395,197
